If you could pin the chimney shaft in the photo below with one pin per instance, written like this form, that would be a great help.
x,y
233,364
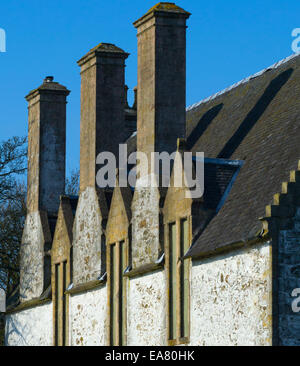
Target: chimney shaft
x,y
102,107
160,117
161,96
46,146
45,183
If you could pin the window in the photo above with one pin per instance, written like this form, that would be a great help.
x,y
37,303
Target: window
x,y
61,278
117,293
178,282
184,280
172,281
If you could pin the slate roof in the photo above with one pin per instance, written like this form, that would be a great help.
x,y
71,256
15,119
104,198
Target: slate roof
x,y
256,121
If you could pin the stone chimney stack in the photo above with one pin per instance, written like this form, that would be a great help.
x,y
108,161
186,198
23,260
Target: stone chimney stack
x,y
161,98
45,184
102,107
161,112
46,146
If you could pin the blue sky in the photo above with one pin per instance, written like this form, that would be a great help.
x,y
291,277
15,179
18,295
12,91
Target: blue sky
x,y
226,41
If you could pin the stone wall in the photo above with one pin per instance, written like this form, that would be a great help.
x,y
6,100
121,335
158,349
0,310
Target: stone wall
x,y
146,310
231,304
231,299
88,318
288,280
32,257
146,243
30,327
87,233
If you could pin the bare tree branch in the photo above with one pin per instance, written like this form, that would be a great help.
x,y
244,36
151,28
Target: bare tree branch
x,y
72,183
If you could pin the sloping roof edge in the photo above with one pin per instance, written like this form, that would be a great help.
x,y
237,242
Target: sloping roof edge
x,y
279,209
243,81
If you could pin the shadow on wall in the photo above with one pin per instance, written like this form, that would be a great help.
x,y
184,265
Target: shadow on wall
x,y
255,113
15,329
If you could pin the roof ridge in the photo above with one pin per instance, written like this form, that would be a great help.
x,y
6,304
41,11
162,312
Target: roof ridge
x,y
243,81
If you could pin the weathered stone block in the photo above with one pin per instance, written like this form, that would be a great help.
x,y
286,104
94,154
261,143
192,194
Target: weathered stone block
x,y
34,265
88,236
147,245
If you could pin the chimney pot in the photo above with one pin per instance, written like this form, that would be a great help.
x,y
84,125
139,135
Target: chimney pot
x,y
48,79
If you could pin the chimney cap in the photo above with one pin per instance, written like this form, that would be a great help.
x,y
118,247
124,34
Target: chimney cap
x,y
165,6
48,79
48,86
162,7
103,49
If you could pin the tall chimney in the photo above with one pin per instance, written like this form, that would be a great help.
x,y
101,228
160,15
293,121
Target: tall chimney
x,y
45,184
102,129
161,112
102,107
46,146
161,96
